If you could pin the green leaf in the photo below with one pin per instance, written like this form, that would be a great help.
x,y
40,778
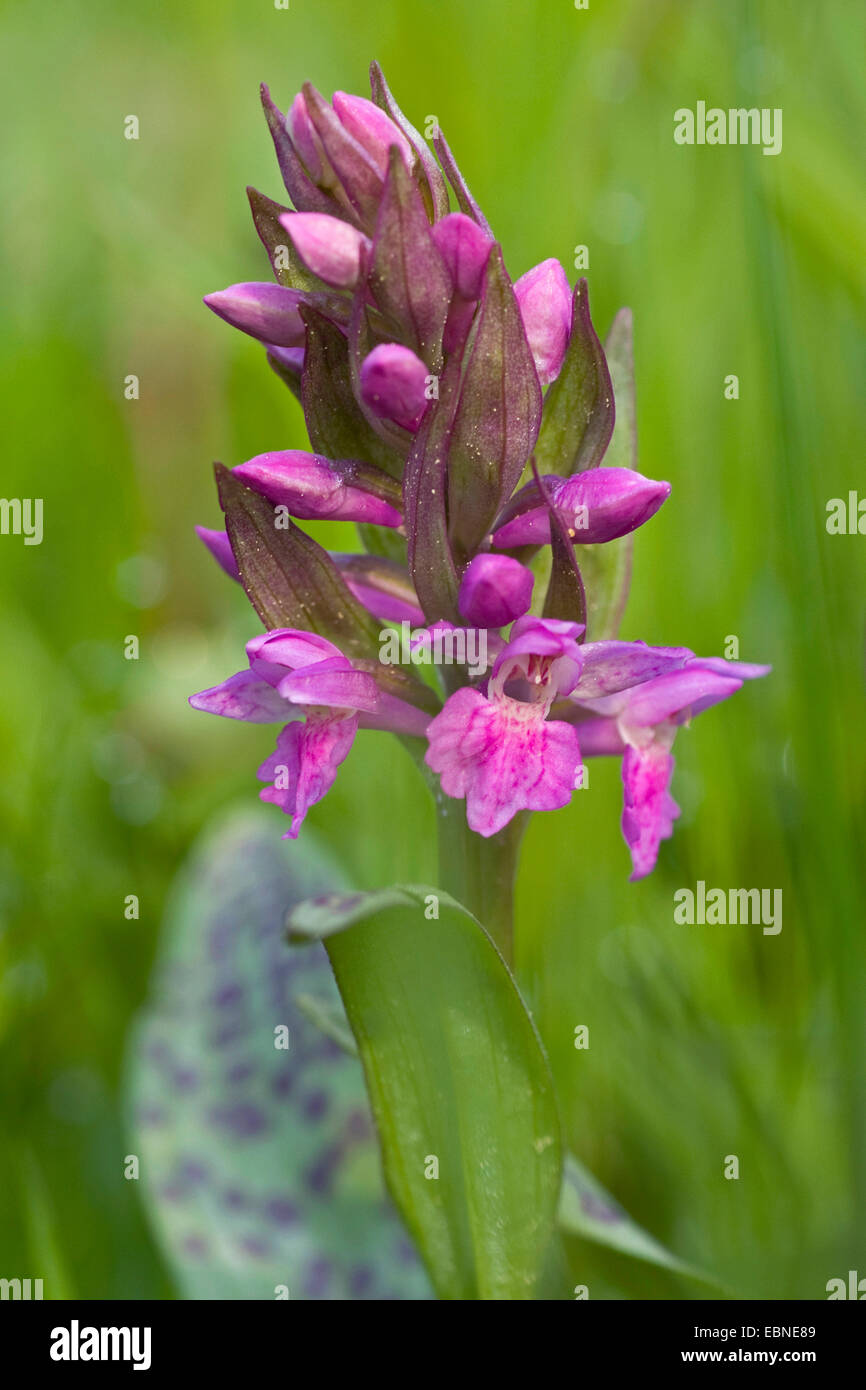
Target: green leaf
x,y
606,569
259,1167
456,1073
578,414
330,1019
586,1209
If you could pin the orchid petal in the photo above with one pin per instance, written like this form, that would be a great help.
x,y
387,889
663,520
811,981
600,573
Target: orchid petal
x,y
220,547
649,811
304,764
503,757
243,696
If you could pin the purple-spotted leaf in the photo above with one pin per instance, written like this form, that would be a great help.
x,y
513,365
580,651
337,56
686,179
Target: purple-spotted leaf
x,y
578,408
427,171
497,417
408,278
259,1170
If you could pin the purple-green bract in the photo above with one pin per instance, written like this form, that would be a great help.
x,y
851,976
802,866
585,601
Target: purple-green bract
x,y
427,378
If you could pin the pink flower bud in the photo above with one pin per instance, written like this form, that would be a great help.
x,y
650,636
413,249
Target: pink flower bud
x,y
393,380
495,590
464,248
545,305
372,128
265,311
300,128
330,248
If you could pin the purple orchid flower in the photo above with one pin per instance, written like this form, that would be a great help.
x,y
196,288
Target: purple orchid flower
x,y
499,749
293,674
641,723
432,386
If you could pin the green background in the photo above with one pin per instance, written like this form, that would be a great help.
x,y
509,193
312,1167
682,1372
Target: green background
x,y
704,1041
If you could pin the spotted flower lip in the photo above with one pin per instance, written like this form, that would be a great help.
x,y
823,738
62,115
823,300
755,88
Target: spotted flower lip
x,y
500,753
640,723
312,487
296,675
598,505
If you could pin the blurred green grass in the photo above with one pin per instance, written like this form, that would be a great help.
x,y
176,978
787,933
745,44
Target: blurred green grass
x,y
703,1041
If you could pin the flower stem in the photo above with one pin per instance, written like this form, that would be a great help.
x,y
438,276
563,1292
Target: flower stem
x,y
480,872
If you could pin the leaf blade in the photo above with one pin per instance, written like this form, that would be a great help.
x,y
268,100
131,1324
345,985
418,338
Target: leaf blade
x,y
466,1083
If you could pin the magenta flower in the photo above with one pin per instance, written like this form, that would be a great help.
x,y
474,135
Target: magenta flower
x,y
641,723
466,423
296,675
498,748
331,249
500,751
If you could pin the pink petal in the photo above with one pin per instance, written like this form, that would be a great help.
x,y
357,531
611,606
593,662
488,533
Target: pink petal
x,y
220,547
649,811
502,757
608,667
243,696
305,764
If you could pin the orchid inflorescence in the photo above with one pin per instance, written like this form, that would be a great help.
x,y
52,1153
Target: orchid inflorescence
x,y
463,422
